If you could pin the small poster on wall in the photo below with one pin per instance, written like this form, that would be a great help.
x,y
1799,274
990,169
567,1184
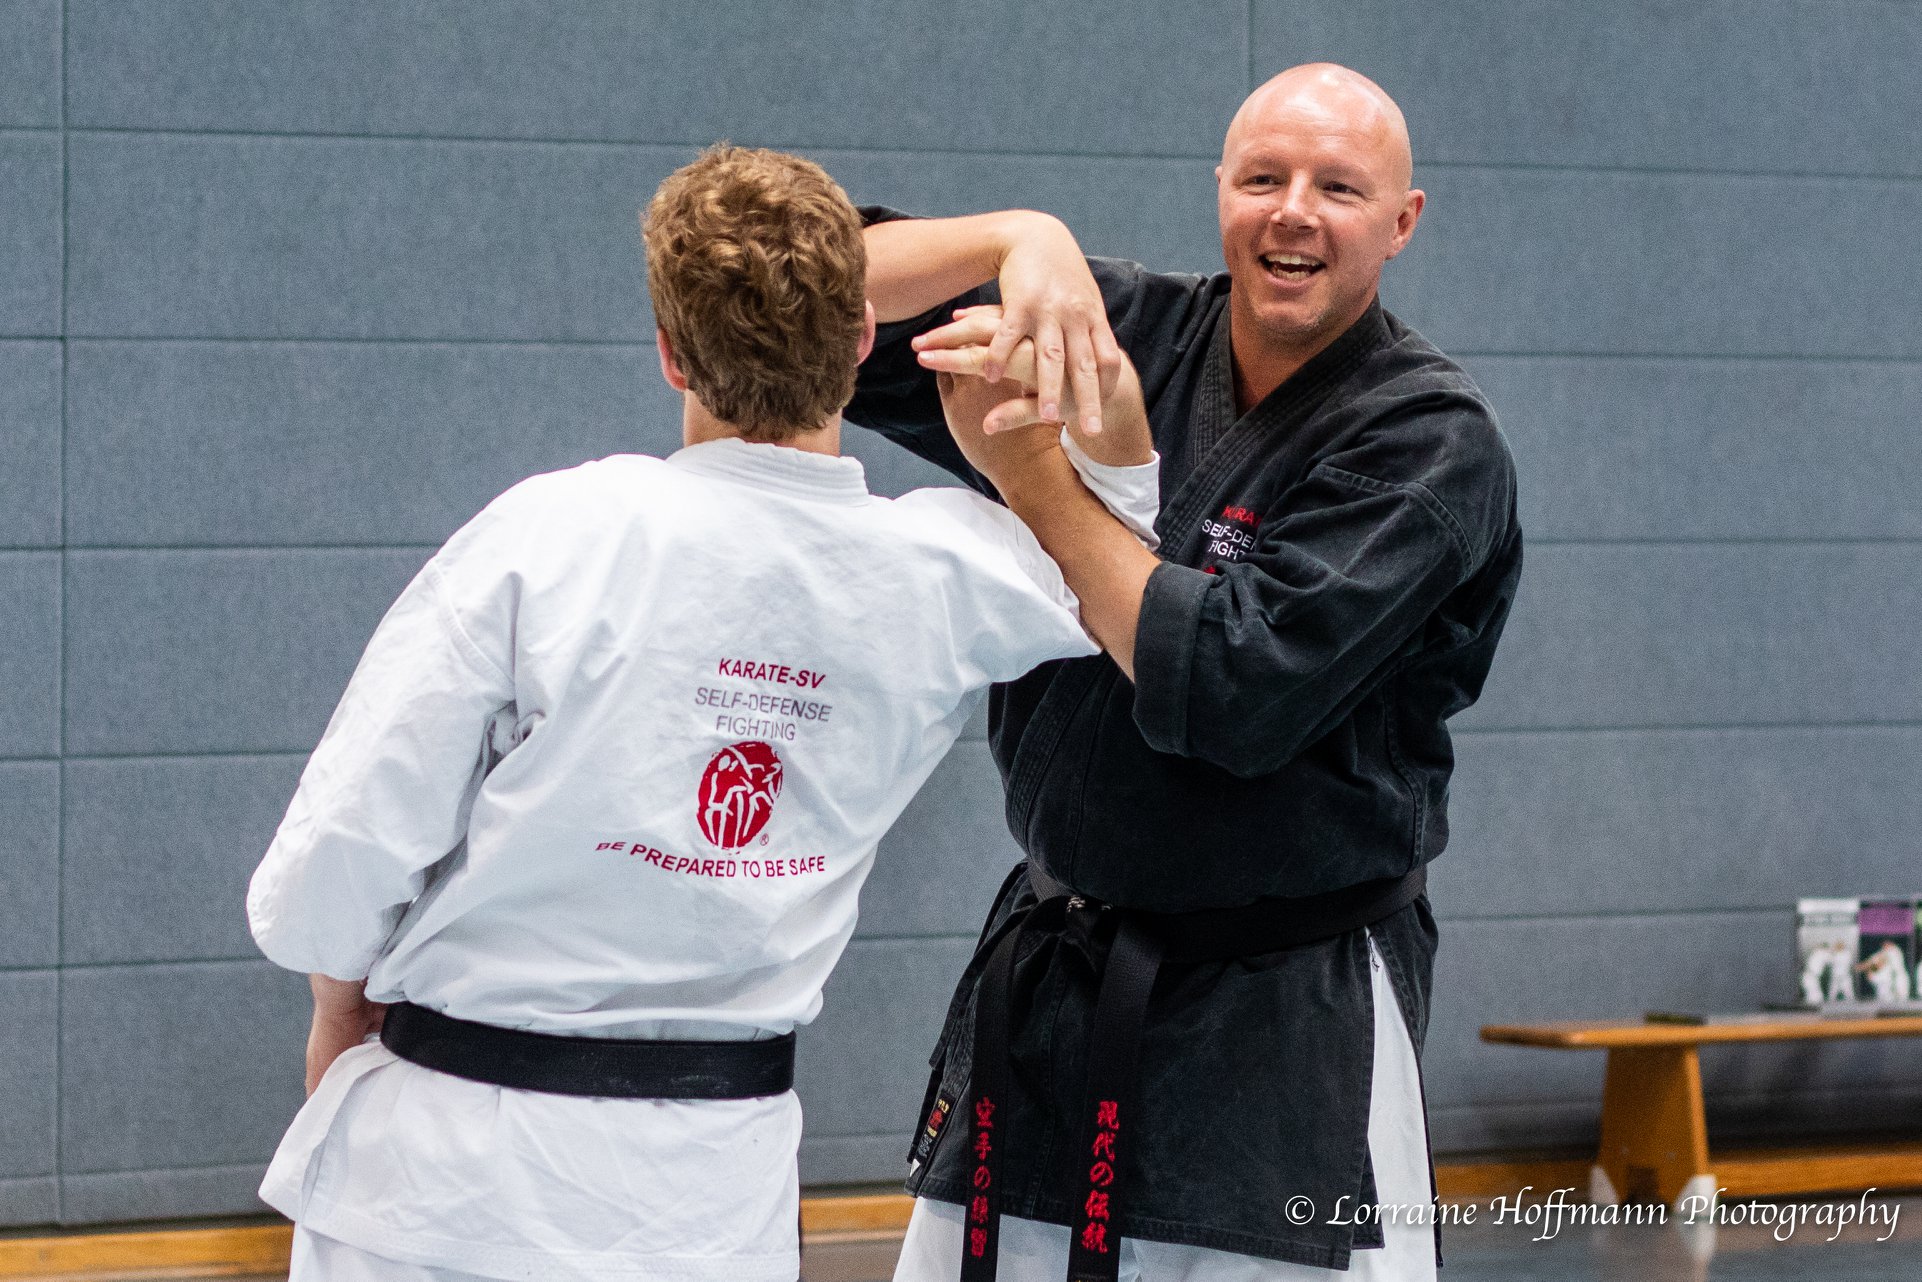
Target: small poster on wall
x,y
1826,949
1885,950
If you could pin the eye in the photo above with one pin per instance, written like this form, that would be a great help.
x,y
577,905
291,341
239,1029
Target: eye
x,y
1341,188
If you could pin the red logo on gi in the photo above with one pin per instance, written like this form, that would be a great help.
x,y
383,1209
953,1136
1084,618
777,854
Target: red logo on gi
x,y
737,793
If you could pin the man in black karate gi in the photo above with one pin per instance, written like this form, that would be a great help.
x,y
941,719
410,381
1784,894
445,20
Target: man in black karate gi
x,y
1166,1043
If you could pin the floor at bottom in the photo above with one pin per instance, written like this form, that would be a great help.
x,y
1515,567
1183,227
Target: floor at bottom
x,y
1781,1241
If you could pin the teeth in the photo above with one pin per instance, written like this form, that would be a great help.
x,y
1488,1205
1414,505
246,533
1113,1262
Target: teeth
x,y
1297,261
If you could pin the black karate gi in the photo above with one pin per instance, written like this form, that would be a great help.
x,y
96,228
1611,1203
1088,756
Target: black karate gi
x,y
1338,564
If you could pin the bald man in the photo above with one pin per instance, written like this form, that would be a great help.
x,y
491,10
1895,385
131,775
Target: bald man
x,y
1187,1044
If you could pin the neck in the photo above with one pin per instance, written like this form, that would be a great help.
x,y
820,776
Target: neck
x,y
699,426
1264,361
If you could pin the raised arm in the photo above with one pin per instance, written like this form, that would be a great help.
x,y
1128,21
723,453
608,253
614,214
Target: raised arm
x,y
1048,295
1104,562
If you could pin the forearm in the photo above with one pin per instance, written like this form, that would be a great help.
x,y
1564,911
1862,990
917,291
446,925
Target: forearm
x,y
1105,566
337,998
918,263
343,1017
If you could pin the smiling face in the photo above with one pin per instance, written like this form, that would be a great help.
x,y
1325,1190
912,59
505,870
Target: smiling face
x,y
1314,198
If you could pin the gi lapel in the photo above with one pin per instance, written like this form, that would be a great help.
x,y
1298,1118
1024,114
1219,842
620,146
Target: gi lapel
x,y
1217,444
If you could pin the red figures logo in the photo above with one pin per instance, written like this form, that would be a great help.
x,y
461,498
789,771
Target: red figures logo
x,y
738,789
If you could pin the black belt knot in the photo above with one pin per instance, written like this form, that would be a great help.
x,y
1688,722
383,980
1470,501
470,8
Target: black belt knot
x,y
1141,942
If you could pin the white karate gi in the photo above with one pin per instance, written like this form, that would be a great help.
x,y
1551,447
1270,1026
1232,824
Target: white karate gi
x,y
538,806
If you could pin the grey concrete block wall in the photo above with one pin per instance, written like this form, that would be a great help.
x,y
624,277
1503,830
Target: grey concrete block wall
x,y
236,650
30,218
29,1092
30,470
30,877
1789,86
30,64
30,654
661,72
287,292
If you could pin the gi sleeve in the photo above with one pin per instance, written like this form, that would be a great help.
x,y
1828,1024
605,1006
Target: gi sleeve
x,y
1131,494
1246,666
387,791
1018,611
1033,617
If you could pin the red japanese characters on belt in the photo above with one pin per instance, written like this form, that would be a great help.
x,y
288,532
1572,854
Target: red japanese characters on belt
x,y
1101,1175
980,1208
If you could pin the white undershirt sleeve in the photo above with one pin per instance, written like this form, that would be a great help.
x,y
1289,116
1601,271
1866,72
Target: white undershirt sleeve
x,y
1132,494
386,793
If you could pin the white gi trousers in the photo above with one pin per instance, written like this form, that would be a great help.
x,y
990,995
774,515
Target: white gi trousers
x,y
325,1259
1397,1144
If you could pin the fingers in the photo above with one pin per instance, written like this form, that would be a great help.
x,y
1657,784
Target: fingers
x,y
1065,354
1107,355
1085,374
1011,415
966,361
972,362
1013,328
1050,353
1022,365
974,326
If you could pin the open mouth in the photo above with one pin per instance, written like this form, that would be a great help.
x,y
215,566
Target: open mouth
x,y
1292,268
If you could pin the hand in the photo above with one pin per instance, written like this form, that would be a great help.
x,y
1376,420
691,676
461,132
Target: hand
x,y
343,1017
1049,296
968,402
962,348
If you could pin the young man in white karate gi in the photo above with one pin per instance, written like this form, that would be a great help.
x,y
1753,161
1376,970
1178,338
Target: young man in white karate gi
x,y
614,766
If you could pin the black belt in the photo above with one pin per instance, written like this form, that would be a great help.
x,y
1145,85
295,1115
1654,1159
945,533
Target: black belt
x,y
604,1066
1142,941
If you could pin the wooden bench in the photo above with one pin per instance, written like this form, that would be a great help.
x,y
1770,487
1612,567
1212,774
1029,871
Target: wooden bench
x,y
1654,1134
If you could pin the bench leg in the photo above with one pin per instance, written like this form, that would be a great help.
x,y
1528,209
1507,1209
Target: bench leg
x,y
1654,1136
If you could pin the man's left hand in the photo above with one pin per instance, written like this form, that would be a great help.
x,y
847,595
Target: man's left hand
x,y
343,1017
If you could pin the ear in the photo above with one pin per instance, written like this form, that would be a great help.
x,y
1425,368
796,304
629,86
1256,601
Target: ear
x,y
1411,207
670,368
867,333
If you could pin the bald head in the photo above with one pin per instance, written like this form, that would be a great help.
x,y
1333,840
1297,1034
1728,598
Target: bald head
x,y
1332,99
1314,196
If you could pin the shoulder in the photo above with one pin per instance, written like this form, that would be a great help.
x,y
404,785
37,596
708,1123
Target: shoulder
x,y
563,490
549,506
1421,421
952,508
1151,306
984,533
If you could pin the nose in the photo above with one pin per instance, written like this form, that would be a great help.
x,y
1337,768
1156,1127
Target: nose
x,y
1296,208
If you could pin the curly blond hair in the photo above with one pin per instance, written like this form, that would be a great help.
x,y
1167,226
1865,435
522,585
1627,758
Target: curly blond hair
x,y
758,275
